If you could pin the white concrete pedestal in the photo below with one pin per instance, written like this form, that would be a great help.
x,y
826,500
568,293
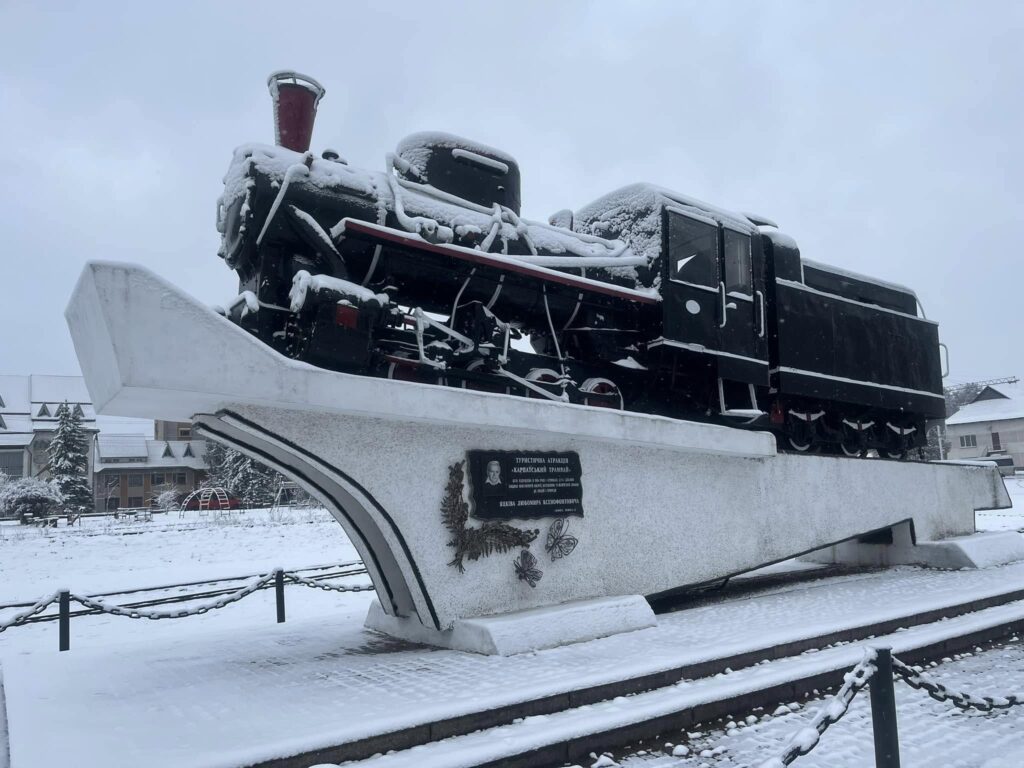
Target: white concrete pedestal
x,y
978,550
523,631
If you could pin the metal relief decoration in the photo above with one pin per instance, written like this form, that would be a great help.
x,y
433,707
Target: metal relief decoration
x,y
473,543
526,568
559,543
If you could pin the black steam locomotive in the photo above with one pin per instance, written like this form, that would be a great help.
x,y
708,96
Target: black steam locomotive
x,y
644,300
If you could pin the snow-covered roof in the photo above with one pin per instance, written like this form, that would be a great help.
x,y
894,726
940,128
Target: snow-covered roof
x,y
643,196
136,452
1007,404
14,440
38,397
121,447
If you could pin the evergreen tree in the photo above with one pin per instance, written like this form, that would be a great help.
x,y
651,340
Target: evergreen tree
x,y
69,460
247,479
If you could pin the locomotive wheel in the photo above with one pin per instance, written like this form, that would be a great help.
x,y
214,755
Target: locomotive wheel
x,y
606,391
897,446
800,436
799,444
853,449
853,443
411,371
480,386
541,376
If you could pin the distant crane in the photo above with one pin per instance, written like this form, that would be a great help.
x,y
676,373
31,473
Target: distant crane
x,y
980,384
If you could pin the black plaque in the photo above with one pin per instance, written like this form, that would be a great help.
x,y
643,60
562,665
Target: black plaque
x,y
525,484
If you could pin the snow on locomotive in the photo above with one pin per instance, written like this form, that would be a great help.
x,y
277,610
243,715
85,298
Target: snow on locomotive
x,y
645,299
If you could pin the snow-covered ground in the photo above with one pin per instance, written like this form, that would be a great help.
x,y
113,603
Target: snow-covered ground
x,y
931,733
1006,519
105,555
323,651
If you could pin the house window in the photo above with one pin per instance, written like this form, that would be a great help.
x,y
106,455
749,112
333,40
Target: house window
x,y
179,478
996,445
11,463
134,501
134,481
968,441
184,433
158,478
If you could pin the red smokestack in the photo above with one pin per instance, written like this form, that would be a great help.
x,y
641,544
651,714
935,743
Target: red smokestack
x,y
295,99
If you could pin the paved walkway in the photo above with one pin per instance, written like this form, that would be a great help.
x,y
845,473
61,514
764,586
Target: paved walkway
x,y
224,699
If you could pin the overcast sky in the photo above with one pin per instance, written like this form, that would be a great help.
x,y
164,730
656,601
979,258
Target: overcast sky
x,y
885,137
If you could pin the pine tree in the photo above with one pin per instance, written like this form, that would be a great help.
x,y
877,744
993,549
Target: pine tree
x,y
249,480
69,460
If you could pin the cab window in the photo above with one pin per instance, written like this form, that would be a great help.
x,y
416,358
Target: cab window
x,y
737,262
692,250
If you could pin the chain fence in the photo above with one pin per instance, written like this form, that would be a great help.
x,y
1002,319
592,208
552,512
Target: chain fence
x,y
917,679
294,578
38,607
879,669
276,579
198,610
808,737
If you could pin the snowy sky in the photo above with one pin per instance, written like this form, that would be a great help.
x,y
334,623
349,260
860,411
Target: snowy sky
x,y
884,136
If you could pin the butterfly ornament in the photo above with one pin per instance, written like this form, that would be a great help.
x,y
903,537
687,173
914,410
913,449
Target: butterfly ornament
x,y
560,544
526,568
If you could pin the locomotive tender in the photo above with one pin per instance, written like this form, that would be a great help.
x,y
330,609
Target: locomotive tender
x,y
645,299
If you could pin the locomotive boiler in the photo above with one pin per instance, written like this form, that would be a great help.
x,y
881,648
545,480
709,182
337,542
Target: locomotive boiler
x,y
645,299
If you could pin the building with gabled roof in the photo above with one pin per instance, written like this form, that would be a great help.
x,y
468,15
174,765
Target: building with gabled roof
x,y
132,470
991,424
28,419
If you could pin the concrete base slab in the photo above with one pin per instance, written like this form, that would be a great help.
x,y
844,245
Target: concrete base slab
x,y
523,631
979,550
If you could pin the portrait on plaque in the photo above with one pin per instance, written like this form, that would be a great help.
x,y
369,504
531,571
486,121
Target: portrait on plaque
x,y
525,484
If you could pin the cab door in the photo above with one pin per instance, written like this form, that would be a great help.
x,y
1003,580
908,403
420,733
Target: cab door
x,y
741,309
690,291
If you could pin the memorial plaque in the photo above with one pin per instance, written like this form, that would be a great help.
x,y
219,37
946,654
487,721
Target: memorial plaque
x,y
525,484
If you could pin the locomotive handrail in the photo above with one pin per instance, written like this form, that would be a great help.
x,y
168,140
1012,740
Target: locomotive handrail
x,y
349,226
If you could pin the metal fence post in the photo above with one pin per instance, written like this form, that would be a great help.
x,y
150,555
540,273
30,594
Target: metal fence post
x,y
64,605
883,712
279,589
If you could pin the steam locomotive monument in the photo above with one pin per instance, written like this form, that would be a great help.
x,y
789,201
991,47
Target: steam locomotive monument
x,y
527,428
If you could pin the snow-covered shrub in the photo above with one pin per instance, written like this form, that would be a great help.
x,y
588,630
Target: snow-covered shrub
x,y
168,500
27,497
